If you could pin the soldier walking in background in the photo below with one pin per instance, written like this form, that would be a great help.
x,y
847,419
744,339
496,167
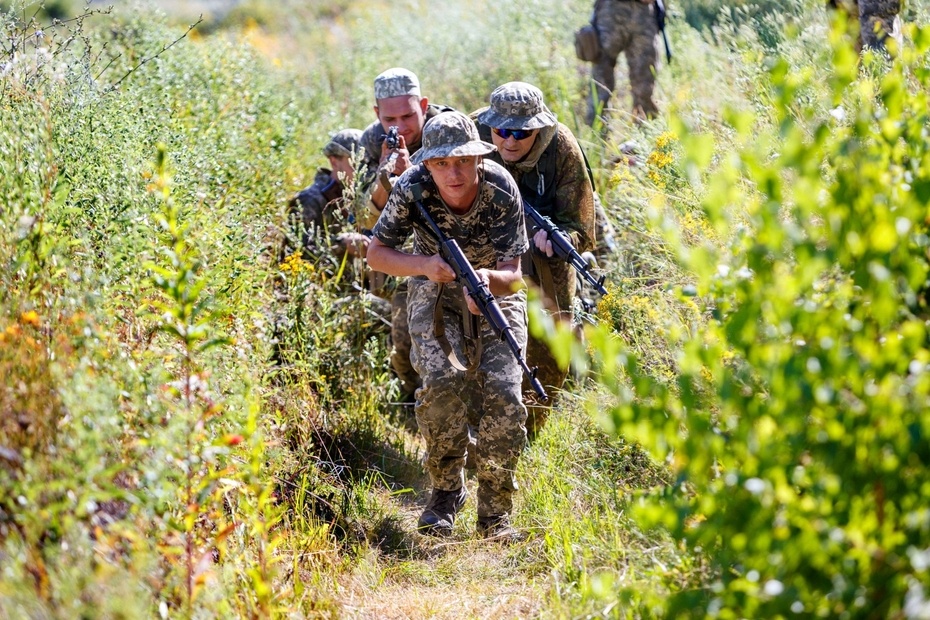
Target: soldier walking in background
x,y
476,203
877,20
398,103
627,26
552,175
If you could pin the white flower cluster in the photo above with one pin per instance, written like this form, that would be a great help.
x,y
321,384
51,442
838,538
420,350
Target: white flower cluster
x,y
31,59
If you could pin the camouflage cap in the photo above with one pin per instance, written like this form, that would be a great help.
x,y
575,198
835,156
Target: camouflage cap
x,y
343,143
396,82
517,105
451,134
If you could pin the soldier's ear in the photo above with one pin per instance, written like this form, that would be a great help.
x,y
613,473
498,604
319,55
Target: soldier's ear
x,y
424,103
377,112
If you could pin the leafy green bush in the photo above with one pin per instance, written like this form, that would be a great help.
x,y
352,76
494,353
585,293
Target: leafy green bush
x,y
116,442
802,485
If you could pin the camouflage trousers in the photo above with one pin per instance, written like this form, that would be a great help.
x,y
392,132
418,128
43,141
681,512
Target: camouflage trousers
x,y
400,342
628,27
488,398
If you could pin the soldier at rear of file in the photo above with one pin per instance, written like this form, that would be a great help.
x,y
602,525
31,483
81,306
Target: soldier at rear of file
x,y
549,167
318,214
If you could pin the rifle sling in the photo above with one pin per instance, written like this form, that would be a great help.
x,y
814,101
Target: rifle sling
x,y
471,332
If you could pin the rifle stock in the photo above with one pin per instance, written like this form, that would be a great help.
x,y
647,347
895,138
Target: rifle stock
x,y
563,248
451,253
660,23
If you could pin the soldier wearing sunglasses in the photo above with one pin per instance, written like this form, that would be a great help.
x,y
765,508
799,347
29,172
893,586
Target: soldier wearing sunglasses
x,y
549,167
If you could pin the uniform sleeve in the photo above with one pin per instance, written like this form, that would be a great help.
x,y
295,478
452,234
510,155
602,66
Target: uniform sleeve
x,y
394,225
371,146
308,206
574,196
508,229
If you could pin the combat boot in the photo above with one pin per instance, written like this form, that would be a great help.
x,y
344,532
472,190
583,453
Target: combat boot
x,y
497,528
439,515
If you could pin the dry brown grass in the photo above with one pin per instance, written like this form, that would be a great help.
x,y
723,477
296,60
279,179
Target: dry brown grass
x,y
471,579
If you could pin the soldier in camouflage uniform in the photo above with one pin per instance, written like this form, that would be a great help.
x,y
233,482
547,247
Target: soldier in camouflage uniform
x,y
627,26
398,102
475,202
322,227
877,20
550,170
317,211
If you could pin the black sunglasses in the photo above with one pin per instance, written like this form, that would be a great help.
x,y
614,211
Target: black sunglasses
x,y
516,134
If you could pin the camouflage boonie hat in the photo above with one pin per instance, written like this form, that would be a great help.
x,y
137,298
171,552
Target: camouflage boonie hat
x,y
517,105
343,143
451,134
396,82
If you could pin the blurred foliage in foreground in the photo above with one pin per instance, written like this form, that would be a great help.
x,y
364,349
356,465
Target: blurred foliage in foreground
x,y
799,423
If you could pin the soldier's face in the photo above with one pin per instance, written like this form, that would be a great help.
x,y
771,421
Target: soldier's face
x,y
456,179
342,169
408,112
511,149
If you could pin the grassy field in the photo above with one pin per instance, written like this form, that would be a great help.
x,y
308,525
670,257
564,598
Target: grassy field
x,y
751,439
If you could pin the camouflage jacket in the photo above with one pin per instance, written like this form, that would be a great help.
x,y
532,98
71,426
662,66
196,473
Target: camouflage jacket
x,y
305,210
554,178
316,214
491,231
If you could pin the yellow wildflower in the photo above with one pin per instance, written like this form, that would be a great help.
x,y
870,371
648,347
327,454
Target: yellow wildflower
x,y
30,317
665,139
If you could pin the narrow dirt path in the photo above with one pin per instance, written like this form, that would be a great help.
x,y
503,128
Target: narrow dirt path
x,y
410,576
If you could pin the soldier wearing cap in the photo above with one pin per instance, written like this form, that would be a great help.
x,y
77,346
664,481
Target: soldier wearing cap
x,y
398,102
551,172
319,209
474,201
627,26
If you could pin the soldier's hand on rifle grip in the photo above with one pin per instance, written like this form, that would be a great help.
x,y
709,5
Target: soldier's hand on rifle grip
x,y
542,243
437,270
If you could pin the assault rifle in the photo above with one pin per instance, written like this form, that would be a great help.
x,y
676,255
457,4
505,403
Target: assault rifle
x,y
392,137
450,252
563,248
